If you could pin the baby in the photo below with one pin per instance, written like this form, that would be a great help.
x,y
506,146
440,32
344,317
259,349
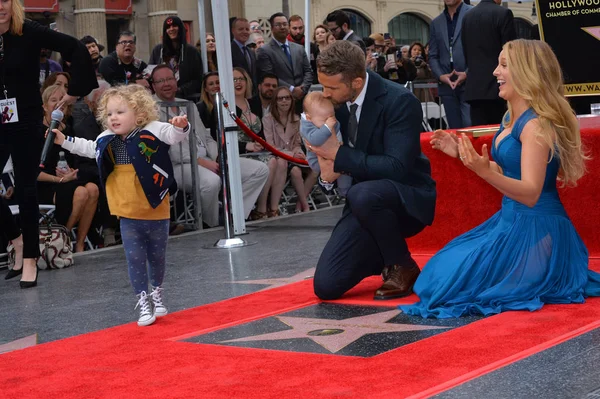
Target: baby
x,y
316,126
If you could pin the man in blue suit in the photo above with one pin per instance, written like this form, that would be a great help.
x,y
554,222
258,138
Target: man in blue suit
x,y
392,196
447,62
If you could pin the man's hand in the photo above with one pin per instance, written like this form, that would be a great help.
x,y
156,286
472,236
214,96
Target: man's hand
x,y
328,150
446,80
327,173
209,164
298,93
179,121
462,77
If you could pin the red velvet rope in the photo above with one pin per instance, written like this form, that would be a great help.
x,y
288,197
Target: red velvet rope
x,y
261,141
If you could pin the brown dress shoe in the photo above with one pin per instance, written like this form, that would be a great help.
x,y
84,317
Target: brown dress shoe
x,y
398,281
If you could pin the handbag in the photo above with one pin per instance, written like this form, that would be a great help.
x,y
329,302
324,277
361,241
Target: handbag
x,y
55,247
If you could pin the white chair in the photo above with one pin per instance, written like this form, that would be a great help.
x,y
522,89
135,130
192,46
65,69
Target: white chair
x,y
432,110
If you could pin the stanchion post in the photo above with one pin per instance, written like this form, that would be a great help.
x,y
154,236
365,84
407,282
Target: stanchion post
x,y
229,241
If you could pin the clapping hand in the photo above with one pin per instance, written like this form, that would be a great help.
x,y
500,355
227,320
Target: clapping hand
x,y
179,121
445,142
480,164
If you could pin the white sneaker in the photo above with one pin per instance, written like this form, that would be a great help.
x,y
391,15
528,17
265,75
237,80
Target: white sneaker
x,y
146,317
160,309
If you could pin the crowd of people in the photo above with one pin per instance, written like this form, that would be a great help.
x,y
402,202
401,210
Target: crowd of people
x,y
362,133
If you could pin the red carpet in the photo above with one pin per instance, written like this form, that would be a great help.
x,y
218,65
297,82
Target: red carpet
x,y
464,200
132,362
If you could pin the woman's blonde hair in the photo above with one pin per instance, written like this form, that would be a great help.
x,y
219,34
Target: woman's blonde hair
x,y
49,91
17,19
204,96
538,79
137,98
325,28
249,82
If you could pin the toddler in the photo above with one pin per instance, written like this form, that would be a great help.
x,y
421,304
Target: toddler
x,y
135,169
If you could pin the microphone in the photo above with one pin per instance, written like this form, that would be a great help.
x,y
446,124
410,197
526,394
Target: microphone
x,y
57,116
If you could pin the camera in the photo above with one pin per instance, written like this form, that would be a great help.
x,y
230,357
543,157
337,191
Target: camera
x,y
419,60
375,55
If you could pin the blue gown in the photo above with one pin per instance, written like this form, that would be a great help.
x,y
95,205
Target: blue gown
x,y
519,259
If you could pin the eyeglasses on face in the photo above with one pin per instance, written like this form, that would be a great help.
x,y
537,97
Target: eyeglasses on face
x,y
161,81
255,27
126,42
281,25
284,98
334,29
236,80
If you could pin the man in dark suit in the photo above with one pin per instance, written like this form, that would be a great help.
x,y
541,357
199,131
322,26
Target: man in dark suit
x,y
338,23
485,29
447,62
260,104
241,55
285,59
392,196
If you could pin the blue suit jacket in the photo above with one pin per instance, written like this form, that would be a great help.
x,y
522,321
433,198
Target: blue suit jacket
x,y
388,146
439,48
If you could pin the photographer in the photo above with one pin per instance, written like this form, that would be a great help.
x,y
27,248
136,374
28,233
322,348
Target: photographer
x,y
417,56
390,64
372,55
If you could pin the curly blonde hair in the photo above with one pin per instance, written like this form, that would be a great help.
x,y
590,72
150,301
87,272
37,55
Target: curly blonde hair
x,y
538,79
137,98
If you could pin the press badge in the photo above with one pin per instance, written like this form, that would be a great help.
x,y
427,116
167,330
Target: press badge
x,y
8,107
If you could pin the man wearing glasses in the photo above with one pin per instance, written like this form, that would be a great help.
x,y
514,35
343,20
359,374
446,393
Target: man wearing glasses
x,y
121,66
286,59
338,23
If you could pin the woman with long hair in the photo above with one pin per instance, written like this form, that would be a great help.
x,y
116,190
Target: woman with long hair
x,y
57,78
75,199
211,52
529,253
22,134
206,107
282,131
316,46
183,58
417,56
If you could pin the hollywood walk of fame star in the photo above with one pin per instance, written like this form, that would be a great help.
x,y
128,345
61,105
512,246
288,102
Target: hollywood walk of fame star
x,y
593,30
278,282
326,332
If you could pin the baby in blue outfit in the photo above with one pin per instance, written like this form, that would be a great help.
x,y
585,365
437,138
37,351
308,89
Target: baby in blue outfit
x,y
316,126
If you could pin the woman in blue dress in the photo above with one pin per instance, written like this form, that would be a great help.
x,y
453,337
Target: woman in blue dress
x,y
529,253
